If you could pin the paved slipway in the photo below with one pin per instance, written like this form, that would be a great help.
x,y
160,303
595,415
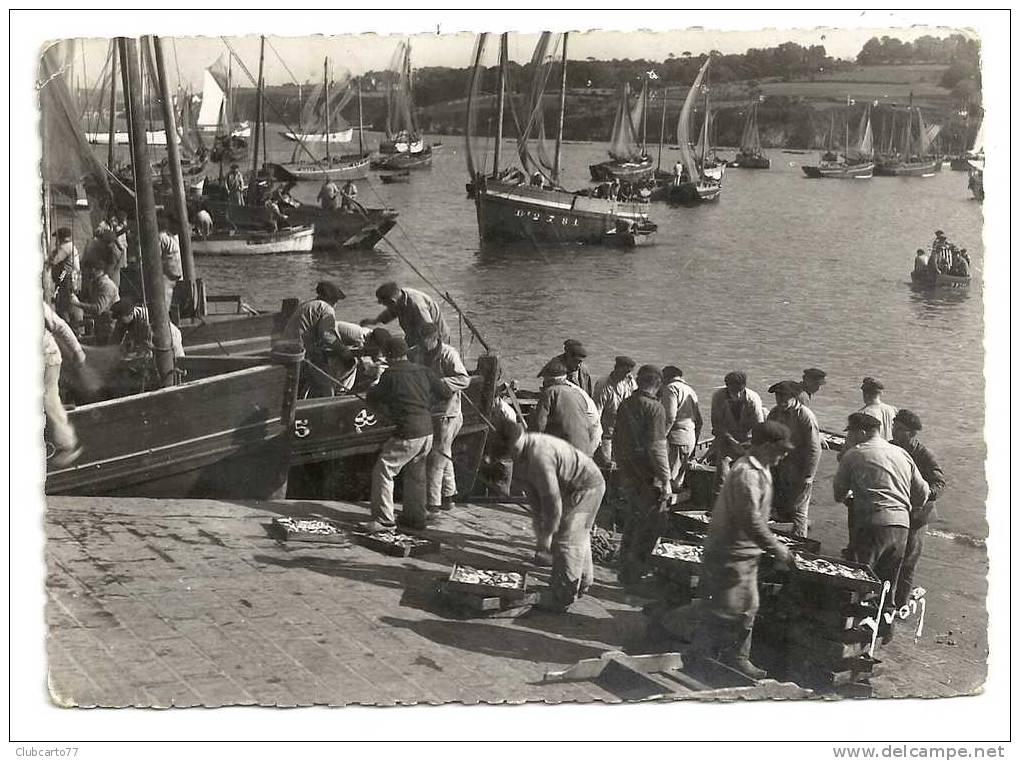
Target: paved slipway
x,y
191,602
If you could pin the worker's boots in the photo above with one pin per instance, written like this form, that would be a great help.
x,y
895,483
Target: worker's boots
x,y
738,656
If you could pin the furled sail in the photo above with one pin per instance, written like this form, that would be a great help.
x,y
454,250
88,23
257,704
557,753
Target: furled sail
x,y
683,126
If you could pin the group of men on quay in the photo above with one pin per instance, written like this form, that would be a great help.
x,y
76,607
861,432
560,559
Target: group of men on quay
x,y
640,427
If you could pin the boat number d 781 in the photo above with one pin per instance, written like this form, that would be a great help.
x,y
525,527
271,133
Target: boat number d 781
x,y
549,219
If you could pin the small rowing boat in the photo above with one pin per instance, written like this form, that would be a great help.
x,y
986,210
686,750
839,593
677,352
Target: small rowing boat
x,y
290,240
930,279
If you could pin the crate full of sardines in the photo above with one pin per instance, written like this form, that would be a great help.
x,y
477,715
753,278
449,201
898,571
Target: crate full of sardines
x,y
834,572
506,583
397,544
308,530
677,554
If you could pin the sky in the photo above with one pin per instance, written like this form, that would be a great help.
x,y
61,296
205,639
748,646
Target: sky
x,y
300,58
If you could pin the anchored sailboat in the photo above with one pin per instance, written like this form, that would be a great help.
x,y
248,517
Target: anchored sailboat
x,y
914,157
857,161
509,207
628,158
693,185
404,147
751,155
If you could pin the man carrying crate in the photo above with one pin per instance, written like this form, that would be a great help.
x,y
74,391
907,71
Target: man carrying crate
x,y
737,537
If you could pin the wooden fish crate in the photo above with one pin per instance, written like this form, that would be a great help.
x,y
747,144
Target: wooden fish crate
x,y
287,530
380,543
475,605
701,480
870,584
487,590
660,559
690,520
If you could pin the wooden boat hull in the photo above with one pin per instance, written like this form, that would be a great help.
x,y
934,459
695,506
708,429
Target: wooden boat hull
x,y
746,161
907,169
288,241
343,168
337,439
343,136
225,436
939,280
606,171
402,161
334,229
841,171
389,179
520,212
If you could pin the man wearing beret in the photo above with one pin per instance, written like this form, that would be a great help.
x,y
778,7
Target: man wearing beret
x,y
871,390
405,395
609,394
905,427
795,474
313,323
738,535
562,410
811,382
639,447
412,309
887,487
573,357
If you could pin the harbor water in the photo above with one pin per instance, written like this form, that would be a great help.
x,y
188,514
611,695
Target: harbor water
x,y
781,274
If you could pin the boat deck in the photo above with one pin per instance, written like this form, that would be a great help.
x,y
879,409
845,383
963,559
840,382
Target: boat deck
x,y
191,602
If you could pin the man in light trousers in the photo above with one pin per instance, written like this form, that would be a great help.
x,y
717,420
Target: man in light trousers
x,y
449,371
404,395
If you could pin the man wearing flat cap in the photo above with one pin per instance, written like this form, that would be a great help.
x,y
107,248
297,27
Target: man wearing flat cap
x,y
887,487
447,419
563,411
313,323
639,447
871,391
906,426
412,309
811,382
609,394
795,475
735,410
738,536
573,357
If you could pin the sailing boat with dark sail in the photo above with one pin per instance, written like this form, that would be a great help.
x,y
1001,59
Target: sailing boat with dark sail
x,y
404,147
857,161
628,158
529,203
751,155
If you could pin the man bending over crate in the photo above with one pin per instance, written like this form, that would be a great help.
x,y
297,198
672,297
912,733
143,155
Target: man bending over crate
x,y
737,537
565,488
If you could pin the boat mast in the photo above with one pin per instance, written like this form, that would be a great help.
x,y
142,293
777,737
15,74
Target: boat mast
x,y
644,119
361,122
662,127
704,133
113,108
325,81
176,177
846,140
258,109
563,109
148,235
500,97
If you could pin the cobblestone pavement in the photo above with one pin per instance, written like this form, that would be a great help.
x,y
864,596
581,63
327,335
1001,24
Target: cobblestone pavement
x,y
191,602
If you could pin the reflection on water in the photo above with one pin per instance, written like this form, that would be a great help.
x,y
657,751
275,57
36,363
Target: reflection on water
x,y
783,273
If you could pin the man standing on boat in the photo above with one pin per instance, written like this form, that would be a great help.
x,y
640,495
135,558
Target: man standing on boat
x,y
170,255
871,391
735,410
609,394
59,345
447,419
328,195
349,198
639,447
906,426
573,357
887,487
562,410
405,396
235,186
565,488
683,422
412,309
313,323
65,269
98,294
795,475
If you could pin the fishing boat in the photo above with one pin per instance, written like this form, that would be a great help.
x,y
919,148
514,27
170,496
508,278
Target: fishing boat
x,y
913,156
750,155
856,162
289,240
323,115
508,206
216,115
693,186
404,147
628,159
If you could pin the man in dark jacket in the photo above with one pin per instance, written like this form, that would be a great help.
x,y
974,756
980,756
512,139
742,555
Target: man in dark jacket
x,y
412,309
639,448
906,425
573,357
795,475
404,395
313,323
562,410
